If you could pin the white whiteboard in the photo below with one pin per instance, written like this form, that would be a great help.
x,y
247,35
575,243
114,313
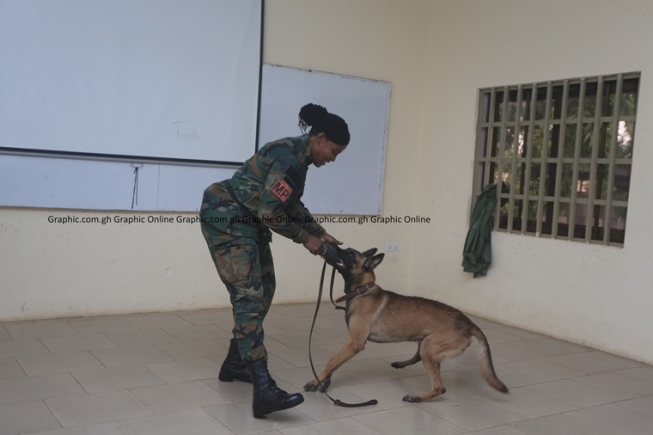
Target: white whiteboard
x,y
103,185
162,79
353,184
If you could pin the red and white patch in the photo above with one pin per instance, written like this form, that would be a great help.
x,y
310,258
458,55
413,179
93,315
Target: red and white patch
x,y
281,190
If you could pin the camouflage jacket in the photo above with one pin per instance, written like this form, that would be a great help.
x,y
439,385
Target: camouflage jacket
x,y
267,189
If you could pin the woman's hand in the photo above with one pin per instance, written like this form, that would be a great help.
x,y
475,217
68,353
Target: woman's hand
x,y
328,238
314,245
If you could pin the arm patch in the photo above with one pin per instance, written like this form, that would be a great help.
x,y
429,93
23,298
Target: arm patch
x,y
281,190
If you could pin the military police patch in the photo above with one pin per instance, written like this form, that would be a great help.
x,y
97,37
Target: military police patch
x,y
281,190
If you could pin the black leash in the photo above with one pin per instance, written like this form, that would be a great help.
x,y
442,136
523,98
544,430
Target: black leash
x,y
317,308
333,274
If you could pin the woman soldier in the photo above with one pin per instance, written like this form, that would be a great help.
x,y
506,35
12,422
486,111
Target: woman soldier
x,y
236,218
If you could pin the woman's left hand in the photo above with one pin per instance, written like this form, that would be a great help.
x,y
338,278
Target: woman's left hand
x,y
328,238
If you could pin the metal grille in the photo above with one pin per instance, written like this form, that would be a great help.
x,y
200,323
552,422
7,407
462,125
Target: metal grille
x,y
561,154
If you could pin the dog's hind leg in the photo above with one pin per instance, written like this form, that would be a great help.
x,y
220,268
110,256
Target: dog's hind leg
x,y
415,359
433,350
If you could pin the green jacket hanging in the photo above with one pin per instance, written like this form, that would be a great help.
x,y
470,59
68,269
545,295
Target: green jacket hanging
x,y
477,253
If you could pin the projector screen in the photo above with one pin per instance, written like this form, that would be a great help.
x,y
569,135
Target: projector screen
x,y
154,79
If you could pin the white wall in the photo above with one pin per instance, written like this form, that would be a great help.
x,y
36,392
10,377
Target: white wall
x,y
595,295
49,270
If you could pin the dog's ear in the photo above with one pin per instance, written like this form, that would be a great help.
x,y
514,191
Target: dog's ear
x,y
369,252
372,262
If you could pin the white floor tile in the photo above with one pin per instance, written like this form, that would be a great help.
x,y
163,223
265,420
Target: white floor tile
x,y
576,393
542,369
30,389
191,422
4,335
59,363
85,409
186,370
17,348
643,405
177,397
102,325
76,343
239,419
111,428
408,420
472,413
141,337
500,430
41,329
559,424
527,402
618,384
114,379
10,369
340,426
615,419
157,321
130,356
26,417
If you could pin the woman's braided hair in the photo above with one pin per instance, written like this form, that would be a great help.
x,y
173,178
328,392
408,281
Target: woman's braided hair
x,y
321,121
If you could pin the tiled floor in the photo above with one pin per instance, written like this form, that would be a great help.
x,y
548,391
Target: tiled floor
x,y
156,374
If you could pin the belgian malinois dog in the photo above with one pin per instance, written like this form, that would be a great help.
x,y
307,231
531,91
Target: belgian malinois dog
x,y
383,316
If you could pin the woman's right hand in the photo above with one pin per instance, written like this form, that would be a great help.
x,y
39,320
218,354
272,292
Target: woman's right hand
x,y
314,245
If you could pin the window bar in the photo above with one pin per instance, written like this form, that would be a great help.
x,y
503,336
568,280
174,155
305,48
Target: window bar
x,y
529,156
595,153
544,156
613,147
513,172
490,140
577,145
561,152
481,145
500,151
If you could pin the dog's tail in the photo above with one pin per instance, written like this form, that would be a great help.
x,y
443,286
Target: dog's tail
x,y
485,362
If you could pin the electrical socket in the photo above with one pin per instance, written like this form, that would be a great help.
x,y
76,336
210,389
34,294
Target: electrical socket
x,y
393,246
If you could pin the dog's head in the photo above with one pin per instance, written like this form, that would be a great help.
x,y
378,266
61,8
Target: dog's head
x,y
354,264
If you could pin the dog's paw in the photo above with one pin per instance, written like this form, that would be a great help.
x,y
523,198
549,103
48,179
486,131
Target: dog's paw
x,y
397,365
314,385
325,385
311,385
410,398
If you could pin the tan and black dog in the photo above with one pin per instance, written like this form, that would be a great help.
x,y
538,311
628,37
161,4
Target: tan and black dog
x,y
382,316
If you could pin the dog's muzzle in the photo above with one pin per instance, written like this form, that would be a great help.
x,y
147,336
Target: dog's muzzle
x,y
331,255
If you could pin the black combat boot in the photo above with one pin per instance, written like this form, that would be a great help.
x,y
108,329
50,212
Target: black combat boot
x,y
267,396
233,367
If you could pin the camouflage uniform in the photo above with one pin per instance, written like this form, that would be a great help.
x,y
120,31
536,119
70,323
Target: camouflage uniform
x,y
236,218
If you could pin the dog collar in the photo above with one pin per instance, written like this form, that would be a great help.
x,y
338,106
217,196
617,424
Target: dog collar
x,y
356,292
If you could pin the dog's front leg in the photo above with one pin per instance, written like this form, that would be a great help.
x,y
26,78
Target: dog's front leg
x,y
355,344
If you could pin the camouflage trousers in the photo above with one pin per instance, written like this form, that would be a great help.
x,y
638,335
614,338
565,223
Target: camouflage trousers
x,y
247,270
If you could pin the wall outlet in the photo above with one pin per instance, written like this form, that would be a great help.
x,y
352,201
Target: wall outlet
x,y
393,246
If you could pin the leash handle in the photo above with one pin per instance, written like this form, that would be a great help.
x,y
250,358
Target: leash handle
x,y
354,405
310,337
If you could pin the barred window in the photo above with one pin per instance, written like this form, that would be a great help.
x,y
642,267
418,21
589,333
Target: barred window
x,y
561,153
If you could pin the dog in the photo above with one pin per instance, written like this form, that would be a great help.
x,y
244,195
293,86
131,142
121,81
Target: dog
x,y
382,316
